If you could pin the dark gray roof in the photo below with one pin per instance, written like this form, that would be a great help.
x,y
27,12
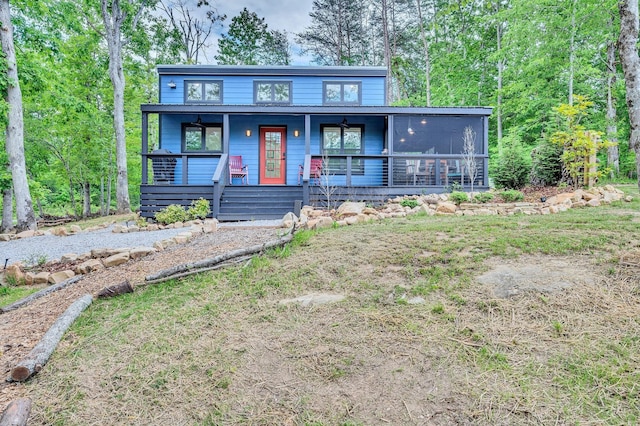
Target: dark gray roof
x,y
267,71
302,110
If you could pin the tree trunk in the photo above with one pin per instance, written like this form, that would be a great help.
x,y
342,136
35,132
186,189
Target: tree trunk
x,y
16,413
7,211
15,126
425,44
113,34
40,354
572,51
86,200
500,72
387,50
115,290
613,154
627,43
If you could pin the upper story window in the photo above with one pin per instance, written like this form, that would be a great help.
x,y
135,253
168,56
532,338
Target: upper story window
x,y
203,91
342,93
201,137
272,92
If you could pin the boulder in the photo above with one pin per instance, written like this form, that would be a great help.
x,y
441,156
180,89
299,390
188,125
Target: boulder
x,y
152,227
75,229
41,278
26,234
68,258
445,207
58,277
116,259
89,266
210,225
351,208
120,229
60,231
594,203
6,237
107,252
28,278
14,273
138,252
351,220
323,222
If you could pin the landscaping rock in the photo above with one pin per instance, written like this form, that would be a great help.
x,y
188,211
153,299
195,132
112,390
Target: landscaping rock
x,y
58,277
314,299
350,208
445,207
107,252
75,229
6,237
68,258
14,273
116,259
139,252
89,266
41,278
26,234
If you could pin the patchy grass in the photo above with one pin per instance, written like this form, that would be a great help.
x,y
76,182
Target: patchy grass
x,y
218,348
10,294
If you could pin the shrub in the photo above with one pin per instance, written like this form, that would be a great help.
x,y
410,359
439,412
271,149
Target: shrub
x,y
546,166
483,197
512,195
171,214
458,197
512,168
409,203
199,209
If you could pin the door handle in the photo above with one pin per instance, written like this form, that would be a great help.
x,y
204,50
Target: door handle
x,y
284,156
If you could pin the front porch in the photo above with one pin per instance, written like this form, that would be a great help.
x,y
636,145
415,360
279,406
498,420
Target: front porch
x,y
384,176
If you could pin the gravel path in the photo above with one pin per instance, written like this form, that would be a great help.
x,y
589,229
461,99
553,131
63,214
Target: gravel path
x,y
32,250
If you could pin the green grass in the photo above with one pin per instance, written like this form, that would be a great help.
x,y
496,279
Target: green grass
x,y
11,294
218,348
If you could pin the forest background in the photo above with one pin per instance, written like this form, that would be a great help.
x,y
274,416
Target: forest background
x,y
525,58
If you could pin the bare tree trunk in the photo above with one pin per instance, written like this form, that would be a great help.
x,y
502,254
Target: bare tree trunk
x,y
613,154
572,51
500,72
72,197
16,413
425,43
7,210
387,50
627,43
113,20
102,208
15,127
86,200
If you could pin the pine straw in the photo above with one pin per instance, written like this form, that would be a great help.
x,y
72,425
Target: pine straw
x,y
219,349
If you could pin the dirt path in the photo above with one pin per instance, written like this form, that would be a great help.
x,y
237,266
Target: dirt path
x,y
20,330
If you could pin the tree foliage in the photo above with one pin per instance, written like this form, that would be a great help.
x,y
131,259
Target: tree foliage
x,y
250,42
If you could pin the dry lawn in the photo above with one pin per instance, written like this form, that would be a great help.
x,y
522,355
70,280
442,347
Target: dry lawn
x,y
219,348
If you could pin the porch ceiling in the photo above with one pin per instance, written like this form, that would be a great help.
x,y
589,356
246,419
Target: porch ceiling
x,y
311,110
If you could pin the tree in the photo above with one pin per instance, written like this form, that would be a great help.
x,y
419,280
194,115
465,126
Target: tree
x,y
469,154
188,32
15,126
113,18
627,46
336,34
250,42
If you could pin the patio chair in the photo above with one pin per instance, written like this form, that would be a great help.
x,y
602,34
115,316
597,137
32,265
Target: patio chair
x,y
314,173
238,170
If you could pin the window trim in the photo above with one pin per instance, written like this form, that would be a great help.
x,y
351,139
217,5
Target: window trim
x,y
354,171
203,93
203,137
326,101
272,101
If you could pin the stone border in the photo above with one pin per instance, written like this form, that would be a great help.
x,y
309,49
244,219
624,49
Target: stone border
x,y
99,259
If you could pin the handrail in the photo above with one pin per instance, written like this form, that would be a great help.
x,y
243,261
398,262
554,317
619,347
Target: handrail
x,y
219,182
306,174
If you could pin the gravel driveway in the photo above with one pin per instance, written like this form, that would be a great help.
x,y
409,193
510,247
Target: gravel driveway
x,y
32,250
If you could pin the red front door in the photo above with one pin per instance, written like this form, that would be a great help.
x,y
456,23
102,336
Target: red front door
x,y
273,151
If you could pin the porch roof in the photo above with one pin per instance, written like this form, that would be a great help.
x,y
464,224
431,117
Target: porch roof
x,y
311,110
274,70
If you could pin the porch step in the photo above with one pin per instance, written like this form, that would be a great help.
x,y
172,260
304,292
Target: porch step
x,y
256,202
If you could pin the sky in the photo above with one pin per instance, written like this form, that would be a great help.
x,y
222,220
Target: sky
x,y
289,15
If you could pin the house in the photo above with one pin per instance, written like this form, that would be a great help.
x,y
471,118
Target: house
x,y
305,135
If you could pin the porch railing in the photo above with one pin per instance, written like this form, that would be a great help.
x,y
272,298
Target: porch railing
x,y
165,168
219,182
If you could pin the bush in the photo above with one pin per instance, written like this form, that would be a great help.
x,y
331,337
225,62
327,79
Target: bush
x,y
512,168
199,209
409,203
483,197
546,166
458,197
171,214
512,195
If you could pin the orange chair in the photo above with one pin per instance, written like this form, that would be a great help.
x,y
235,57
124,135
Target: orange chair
x,y
315,171
238,170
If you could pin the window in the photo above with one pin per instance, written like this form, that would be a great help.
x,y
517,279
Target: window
x,y
203,91
203,137
343,140
342,93
272,92
435,134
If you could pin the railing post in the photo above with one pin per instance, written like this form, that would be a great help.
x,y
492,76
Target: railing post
x,y
306,171
348,176
219,182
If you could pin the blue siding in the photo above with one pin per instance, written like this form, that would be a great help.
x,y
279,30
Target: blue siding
x,y
238,90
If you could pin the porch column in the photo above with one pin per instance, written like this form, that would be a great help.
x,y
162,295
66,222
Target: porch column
x,y
307,134
145,147
390,150
225,133
486,150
